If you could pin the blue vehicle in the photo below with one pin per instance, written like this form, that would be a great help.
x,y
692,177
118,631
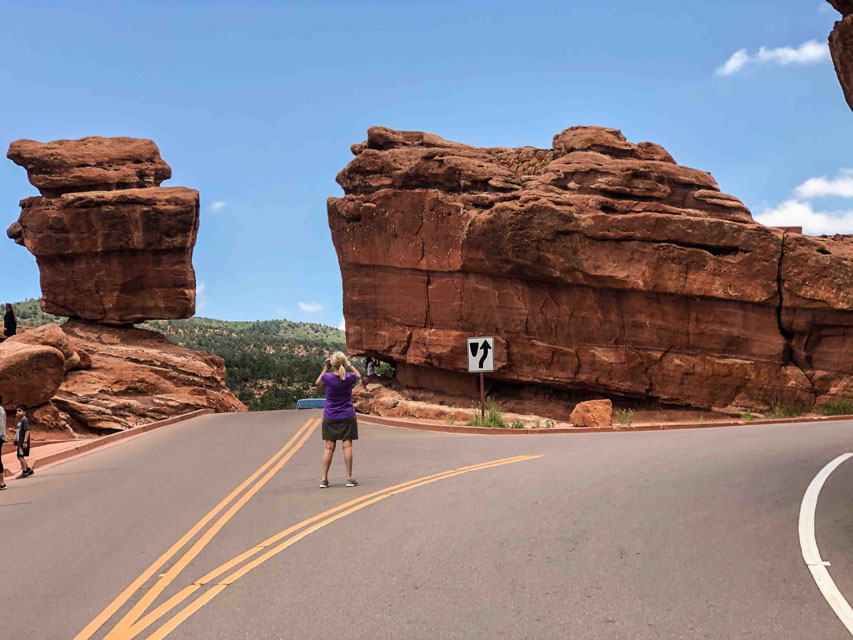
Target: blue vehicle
x,y
311,403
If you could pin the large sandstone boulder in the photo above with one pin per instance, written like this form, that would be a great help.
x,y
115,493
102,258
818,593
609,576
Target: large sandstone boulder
x,y
111,245
841,47
29,374
593,413
50,335
600,266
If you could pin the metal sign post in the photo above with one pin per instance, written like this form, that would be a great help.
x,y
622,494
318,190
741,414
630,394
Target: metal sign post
x,y
481,357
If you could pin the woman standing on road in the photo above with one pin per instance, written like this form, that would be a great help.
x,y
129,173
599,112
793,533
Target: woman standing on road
x,y
339,421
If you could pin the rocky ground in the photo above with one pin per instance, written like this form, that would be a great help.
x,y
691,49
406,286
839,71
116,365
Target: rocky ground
x,y
84,378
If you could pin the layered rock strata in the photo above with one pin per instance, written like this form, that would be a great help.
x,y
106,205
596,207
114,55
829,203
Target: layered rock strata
x,y
111,244
137,376
599,265
113,248
100,378
841,47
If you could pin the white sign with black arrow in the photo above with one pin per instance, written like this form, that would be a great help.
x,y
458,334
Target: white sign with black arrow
x,y
481,355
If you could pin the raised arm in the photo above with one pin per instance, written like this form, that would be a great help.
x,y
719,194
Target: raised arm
x,y
325,370
354,370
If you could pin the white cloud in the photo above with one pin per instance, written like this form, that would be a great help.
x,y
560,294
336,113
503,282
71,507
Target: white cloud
x,y
217,206
734,64
200,297
342,325
807,53
821,187
795,213
311,307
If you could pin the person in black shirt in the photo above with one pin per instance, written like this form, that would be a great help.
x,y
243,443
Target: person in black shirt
x,y
10,323
22,441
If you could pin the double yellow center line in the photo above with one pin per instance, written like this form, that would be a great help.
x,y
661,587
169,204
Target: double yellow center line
x,y
315,522
135,621
267,471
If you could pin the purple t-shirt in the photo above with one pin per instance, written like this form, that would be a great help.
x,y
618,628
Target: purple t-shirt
x,y
339,396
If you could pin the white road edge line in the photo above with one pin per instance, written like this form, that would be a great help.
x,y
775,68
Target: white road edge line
x,y
808,545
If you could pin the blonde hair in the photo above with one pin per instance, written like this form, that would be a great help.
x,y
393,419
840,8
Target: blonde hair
x,y
340,363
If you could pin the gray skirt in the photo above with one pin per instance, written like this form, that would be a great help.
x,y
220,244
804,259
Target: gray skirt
x,y
345,429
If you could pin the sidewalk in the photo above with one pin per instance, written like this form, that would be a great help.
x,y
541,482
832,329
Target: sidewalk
x,y
41,456
10,460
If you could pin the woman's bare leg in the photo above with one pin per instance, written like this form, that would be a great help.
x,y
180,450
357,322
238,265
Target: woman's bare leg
x,y
347,445
328,452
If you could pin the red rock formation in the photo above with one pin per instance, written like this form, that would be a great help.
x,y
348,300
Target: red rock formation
x,y
52,335
841,47
96,378
111,245
90,164
599,265
137,376
593,413
29,373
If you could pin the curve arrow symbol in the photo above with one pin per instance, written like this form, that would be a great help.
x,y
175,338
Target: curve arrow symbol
x,y
485,348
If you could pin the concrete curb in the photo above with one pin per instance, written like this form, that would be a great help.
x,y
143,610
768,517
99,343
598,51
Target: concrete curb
x,y
425,426
92,444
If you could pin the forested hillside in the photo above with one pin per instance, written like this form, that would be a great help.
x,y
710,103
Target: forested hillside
x,y
270,363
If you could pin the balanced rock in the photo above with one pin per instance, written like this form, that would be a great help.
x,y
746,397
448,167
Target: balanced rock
x,y
111,245
600,266
841,47
593,413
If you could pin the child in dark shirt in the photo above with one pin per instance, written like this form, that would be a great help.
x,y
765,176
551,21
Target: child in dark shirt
x,y
22,441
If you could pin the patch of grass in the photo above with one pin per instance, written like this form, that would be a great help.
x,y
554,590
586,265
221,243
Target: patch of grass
x,y
518,424
837,407
747,415
701,419
779,410
449,420
549,424
624,416
492,420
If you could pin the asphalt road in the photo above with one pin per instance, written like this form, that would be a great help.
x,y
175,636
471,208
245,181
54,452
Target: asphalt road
x,y
676,534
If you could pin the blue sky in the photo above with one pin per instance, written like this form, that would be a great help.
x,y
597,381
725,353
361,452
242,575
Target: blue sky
x,y
255,104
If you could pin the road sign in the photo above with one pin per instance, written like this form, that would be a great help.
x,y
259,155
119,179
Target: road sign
x,y
481,355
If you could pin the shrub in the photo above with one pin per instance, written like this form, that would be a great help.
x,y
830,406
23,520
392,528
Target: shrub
x,y
549,424
837,407
449,419
624,416
747,415
492,420
518,424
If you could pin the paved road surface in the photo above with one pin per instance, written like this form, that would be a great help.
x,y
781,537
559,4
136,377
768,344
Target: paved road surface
x,y
677,534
